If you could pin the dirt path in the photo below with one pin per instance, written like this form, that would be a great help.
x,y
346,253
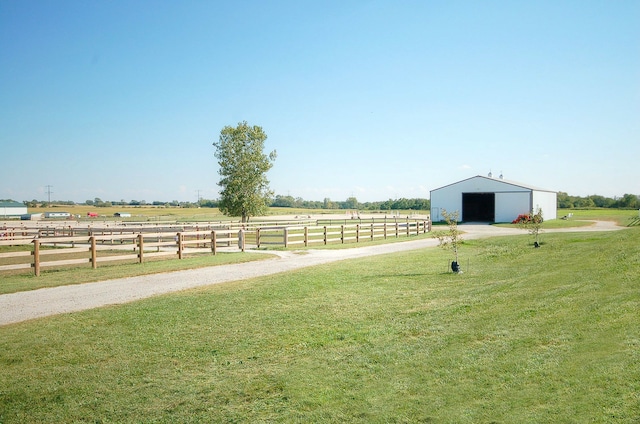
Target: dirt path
x,y
23,306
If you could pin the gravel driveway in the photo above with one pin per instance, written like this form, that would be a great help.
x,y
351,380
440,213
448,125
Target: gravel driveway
x,y
23,306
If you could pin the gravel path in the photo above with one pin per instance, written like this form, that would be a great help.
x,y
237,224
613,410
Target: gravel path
x,y
23,306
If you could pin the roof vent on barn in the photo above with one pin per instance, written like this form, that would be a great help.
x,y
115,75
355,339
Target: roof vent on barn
x,y
501,176
490,174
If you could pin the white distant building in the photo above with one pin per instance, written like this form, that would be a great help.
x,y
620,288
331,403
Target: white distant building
x,y
57,215
11,209
488,199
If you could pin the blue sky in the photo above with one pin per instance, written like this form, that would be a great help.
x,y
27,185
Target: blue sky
x,y
122,100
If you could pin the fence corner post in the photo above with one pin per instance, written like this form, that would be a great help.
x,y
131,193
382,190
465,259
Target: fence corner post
x,y
180,246
214,242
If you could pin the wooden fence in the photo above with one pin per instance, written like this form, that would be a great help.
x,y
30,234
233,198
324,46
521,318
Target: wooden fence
x,y
66,245
308,235
96,249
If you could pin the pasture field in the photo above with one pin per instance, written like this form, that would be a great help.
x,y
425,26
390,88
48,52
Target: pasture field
x,y
623,217
524,335
162,213
138,213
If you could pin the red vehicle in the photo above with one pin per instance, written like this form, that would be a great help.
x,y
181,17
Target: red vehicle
x,y
92,214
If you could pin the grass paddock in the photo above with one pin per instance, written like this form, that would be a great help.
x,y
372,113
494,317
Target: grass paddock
x,y
524,335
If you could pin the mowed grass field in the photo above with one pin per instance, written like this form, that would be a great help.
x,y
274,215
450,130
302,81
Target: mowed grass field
x,y
524,335
162,213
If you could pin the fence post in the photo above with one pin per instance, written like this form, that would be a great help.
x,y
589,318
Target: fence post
x,y
36,257
385,228
397,229
342,233
180,246
140,247
241,239
372,237
214,243
408,227
286,237
258,237
306,236
429,224
94,252
325,234
357,233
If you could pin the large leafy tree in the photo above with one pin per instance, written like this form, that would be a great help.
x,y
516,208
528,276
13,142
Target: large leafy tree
x,y
243,167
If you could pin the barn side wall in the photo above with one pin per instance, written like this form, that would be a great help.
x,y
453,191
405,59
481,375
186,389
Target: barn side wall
x,y
12,211
547,201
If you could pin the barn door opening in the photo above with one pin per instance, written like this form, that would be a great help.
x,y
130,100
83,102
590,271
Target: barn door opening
x,y
478,207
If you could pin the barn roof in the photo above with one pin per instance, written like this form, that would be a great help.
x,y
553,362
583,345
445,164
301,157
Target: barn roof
x,y
499,180
11,204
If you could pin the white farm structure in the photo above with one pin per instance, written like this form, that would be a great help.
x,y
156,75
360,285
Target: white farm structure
x,y
487,199
12,209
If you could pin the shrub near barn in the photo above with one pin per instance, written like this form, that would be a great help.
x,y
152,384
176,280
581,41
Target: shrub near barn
x,y
531,222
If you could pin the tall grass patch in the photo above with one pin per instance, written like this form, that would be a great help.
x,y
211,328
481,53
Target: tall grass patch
x,y
524,335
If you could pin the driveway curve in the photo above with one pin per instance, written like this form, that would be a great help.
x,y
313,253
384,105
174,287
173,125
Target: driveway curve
x,y
23,306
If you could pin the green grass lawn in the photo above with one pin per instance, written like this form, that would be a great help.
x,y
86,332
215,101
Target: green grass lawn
x,y
523,336
621,216
13,282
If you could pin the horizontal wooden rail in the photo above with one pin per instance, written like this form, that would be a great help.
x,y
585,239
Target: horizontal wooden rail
x,y
162,244
15,266
344,233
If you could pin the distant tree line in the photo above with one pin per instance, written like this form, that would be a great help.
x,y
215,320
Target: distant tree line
x,y
628,201
565,201
351,203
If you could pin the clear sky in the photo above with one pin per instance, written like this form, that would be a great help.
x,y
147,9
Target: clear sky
x,y
122,100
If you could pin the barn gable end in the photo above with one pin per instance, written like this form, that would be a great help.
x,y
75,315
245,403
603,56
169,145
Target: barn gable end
x,y
486,199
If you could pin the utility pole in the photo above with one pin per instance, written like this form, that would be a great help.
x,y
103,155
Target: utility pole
x,y
49,193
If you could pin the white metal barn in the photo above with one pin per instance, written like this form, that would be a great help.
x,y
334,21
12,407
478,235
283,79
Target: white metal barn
x,y
487,199
9,208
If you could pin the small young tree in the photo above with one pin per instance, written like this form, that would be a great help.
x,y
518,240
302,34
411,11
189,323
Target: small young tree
x,y
532,223
452,238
